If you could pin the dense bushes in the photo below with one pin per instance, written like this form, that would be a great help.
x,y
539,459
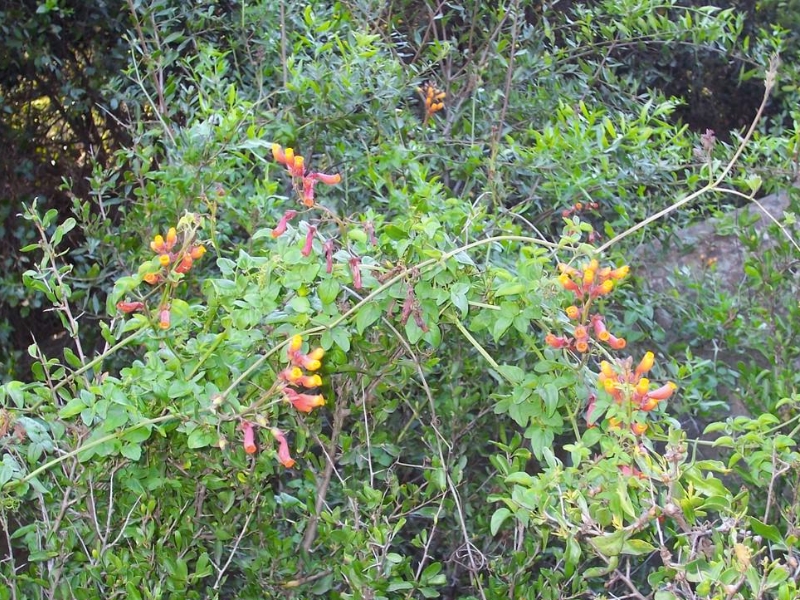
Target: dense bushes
x,y
389,362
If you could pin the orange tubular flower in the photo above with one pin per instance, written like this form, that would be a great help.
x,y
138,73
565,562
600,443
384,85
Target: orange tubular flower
x,y
638,428
620,273
283,448
327,179
567,283
129,307
600,328
249,437
582,346
581,333
573,312
308,191
616,343
164,318
304,402
172,238
152,278
197,252
662,393
305,361
185,265
645,364
278,154
556,342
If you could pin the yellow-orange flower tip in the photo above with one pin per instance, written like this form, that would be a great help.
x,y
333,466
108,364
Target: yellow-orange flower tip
x,y
606,369
277,153
643,386
573,312
620,273
638,428
581,333
316,354
581,346
172,236
163,259
295,343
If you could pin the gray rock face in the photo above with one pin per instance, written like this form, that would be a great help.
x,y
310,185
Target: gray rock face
x,y
702,268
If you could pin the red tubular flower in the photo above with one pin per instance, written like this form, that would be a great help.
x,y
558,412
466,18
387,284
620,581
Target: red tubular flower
x,y
283,448
600,328
280,229
370,227
616,343
327,246
662,393
567,283
308,361
355,262
129,307
591,408
419,320
328,179
249,437
304,402
185,264
297,167
308,247
308,191
164,318
556,342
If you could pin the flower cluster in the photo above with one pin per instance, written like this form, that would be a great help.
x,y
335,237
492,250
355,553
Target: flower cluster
x,y
579,207
293,375
433,98
630,389
304,181
293,382
179,261
587,284
172,257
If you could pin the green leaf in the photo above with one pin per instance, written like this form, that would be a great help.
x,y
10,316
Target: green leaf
x,y
498,518
637,547
327,290
200,438
367,315
131,451
71,408
510,289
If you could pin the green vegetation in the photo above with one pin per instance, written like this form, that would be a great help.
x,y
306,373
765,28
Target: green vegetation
x,y
339,305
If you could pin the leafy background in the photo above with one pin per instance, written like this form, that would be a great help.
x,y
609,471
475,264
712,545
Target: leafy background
x,y
453,457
